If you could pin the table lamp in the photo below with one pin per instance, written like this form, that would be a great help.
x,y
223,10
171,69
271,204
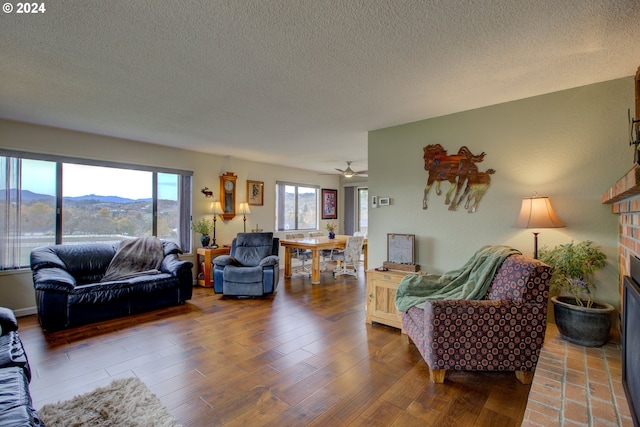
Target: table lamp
x,y
244,210
536,212
216,209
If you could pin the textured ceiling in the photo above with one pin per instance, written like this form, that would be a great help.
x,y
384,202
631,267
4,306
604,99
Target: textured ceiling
x,y
296,82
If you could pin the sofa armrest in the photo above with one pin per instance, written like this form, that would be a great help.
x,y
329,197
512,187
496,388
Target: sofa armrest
x,y
8,321
53,279
45,257
224,260
172,265
270,260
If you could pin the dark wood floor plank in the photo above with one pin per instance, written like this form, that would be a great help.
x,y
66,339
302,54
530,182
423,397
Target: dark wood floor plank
x,y
381,413
302,357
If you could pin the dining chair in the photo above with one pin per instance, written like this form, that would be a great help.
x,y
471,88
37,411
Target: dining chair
x,y
350,256
303,255
325,253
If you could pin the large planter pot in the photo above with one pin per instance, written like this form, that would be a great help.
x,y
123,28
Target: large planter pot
x,y
581,325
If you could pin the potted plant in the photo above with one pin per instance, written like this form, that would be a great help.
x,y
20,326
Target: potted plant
x,y
331,228
203,226
579,318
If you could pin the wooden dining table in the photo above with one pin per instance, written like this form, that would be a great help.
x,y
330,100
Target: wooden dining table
x,y
315,245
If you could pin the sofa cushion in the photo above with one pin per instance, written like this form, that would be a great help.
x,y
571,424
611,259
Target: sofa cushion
x,y
156,282
242,274
97,293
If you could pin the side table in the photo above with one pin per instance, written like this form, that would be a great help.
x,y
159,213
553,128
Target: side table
x,y
381,294
209,254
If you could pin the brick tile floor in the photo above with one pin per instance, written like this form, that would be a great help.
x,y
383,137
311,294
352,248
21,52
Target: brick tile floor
x,y
577,386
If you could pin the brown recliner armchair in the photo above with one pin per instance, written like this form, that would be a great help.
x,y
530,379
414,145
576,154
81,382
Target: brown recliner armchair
x,y
502,332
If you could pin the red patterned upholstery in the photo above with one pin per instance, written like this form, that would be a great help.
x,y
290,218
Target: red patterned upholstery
x,y
503,332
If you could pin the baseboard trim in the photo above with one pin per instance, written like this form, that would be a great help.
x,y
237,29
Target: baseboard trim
x,y
25,311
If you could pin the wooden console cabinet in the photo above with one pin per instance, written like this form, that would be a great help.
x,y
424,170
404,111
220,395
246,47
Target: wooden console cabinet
x,y
381,292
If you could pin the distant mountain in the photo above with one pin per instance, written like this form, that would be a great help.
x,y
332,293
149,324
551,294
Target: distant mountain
x,y
30,196
105,199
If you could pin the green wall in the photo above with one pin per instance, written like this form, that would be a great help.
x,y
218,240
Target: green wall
x,y
570,145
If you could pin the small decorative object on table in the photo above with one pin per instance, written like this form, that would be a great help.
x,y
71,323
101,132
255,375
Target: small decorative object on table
x,y
331,228
579,318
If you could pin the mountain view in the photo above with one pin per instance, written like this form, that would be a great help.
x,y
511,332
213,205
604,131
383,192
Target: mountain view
x,y
95,215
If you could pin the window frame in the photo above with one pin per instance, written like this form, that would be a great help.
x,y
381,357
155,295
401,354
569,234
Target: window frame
x,y
184,196
279,213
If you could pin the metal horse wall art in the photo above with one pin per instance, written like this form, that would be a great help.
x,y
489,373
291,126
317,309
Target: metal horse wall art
x,y
457,169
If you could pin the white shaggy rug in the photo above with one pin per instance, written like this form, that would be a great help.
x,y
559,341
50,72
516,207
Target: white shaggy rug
x,y
125,402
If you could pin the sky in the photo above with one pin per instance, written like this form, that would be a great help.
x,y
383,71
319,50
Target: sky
x,y
81,180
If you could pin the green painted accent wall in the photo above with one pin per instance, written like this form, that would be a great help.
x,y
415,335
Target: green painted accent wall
x,y
570,145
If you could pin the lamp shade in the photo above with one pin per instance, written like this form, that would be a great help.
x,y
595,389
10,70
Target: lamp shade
x,y
536,212
243,209
216,208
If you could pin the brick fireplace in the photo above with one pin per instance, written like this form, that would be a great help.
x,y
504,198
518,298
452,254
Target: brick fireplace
x,y
624,196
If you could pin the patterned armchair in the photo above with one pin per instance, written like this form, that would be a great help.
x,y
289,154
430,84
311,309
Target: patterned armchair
x,y
503,332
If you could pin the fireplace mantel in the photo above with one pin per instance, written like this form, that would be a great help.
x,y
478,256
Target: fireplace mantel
x,y
626,187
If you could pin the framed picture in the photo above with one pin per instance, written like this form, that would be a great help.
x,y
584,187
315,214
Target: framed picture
x,y
401,248
329,204
255,193
384,201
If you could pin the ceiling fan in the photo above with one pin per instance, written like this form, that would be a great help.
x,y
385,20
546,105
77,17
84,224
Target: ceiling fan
x,y
348,172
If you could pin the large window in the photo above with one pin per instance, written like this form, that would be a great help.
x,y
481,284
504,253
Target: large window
x,y
296,206
59,200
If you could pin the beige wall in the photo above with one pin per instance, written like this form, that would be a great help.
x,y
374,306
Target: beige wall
x,y
16,288
570,146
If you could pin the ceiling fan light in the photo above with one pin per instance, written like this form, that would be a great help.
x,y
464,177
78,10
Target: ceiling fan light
x,y
348,174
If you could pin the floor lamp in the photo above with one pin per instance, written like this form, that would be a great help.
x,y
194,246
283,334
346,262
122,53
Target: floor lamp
x,y
216,209
536,212
244,210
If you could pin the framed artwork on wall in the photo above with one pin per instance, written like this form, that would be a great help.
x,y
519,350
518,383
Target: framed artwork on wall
x,y
255,193
329,204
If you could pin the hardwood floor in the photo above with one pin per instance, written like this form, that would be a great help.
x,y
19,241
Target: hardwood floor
x,y
304,357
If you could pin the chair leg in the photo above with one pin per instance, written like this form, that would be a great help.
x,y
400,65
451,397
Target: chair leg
x,y
525,377
437,375
409,340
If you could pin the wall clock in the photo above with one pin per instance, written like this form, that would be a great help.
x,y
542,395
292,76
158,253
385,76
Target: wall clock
x,y
228,195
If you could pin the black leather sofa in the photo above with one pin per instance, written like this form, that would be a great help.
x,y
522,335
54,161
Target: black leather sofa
x,y
16,407
69,291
